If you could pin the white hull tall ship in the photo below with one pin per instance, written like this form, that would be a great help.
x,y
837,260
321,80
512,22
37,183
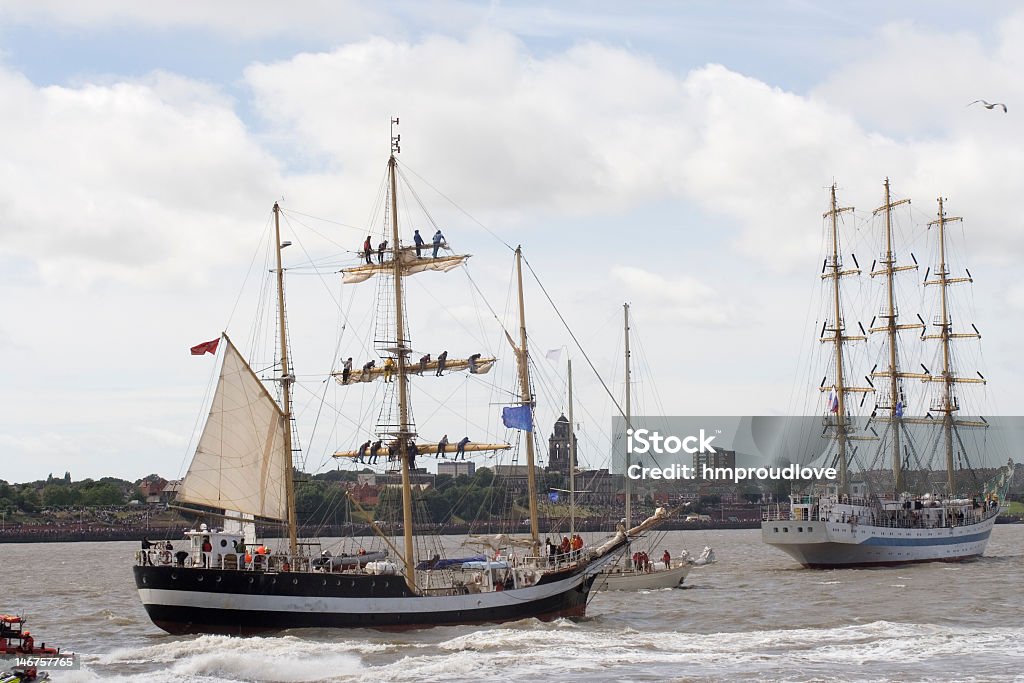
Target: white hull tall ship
x,y
846,525
242,472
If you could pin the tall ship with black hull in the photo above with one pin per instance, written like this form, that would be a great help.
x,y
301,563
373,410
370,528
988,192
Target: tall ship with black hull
x,y
242,470
906,516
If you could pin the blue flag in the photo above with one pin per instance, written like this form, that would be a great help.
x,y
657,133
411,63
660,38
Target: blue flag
x,y
520,417
899,409
553,496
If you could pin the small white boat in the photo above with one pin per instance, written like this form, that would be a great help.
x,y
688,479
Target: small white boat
x,y
618,578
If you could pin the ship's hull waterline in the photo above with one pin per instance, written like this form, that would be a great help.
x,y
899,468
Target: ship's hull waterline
x,y
834,545
190,600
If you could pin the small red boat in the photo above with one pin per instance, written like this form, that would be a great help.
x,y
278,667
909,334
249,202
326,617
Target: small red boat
x,y
15,641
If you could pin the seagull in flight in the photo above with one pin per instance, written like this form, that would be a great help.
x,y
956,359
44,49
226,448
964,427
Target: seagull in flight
x,y
990,105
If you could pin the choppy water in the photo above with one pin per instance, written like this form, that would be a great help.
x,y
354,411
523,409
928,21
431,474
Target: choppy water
x,y
754,615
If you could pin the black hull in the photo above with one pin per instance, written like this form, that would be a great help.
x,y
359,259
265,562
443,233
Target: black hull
x,y
204,593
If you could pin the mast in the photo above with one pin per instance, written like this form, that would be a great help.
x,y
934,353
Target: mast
x,y
401,350
947,403
947,385
572,462
891,327
629,421
844,483
834,271
527,399
286,392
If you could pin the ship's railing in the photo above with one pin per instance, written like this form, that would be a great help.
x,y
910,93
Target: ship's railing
x,y
872,514
776,512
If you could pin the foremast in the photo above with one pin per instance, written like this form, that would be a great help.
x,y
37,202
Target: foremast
x,y
286,383
834,271
890,316
947,402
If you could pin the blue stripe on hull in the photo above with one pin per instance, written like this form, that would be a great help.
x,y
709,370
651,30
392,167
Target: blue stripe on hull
x,y
934,540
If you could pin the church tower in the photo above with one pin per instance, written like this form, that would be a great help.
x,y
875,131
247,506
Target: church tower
x,y
558,447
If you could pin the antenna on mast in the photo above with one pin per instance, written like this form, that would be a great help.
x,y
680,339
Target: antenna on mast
x,y
396,138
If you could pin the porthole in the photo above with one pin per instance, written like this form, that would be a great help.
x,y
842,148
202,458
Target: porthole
x,y
199,578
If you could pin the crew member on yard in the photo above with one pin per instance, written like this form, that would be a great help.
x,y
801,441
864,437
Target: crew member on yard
x,y
368,250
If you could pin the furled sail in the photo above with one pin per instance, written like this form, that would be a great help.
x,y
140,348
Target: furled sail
x,y
240,460
411,264
481,367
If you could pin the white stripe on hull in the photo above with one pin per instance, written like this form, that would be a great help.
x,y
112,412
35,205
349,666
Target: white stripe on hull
x,y
347,605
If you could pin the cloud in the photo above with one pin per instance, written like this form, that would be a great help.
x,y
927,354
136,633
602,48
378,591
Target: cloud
x,y
136,182
682,298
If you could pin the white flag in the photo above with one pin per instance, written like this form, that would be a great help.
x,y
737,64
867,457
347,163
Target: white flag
x,y
554,355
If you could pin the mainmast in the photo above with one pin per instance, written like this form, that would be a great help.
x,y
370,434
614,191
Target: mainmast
x,y
947,403
527,400
891,315
286,391
629,422
401,351
835,272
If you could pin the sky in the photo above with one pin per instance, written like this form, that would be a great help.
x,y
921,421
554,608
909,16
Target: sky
x,y
676,156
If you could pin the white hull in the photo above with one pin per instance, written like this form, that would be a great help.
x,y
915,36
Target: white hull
x,y
822,544
617,579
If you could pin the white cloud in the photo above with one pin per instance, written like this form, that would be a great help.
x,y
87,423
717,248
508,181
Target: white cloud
x,y
130,181
683,298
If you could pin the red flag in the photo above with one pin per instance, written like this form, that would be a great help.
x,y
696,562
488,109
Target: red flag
x,y
205,347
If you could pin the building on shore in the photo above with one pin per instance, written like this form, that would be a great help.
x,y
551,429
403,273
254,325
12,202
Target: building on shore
x,y
457,469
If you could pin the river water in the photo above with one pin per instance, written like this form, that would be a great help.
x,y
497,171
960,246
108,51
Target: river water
x,y
754,615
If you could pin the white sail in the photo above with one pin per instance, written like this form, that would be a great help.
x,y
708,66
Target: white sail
x,y
240,461
410,266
